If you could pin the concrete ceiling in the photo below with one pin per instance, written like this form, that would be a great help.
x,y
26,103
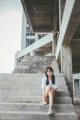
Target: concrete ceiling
x,y
42,14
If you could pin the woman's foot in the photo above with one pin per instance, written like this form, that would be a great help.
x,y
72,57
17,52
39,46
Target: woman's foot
x,y
45,102
50,111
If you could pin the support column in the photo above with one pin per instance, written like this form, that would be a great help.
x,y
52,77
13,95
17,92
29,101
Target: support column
x,y
16,59
32,53
54,63
62,3
61,10
36,37
54,44
65,29
23,38
66,66
59,13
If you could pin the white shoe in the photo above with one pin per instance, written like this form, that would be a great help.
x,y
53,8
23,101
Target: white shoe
x,y
50,111
44,102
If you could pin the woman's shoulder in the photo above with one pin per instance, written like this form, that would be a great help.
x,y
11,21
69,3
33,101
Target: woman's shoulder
x,y
44,78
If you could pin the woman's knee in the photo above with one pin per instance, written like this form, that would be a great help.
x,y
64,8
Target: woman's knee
x,y
48,87
51,92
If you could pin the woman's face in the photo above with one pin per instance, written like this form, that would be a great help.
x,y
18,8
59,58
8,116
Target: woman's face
x,y
49,73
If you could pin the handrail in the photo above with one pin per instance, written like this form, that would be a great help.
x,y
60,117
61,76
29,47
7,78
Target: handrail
x,y
44,40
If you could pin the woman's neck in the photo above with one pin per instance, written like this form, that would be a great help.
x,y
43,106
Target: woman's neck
x,y
49,77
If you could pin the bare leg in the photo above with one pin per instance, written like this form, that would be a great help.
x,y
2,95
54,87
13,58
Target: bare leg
x,y
51,96
50,100
47,90
46,94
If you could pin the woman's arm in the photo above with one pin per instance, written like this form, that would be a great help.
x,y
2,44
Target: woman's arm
x,y
43,92
43,86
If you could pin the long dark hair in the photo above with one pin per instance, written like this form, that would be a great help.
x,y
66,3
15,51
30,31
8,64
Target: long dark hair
x,y
53,77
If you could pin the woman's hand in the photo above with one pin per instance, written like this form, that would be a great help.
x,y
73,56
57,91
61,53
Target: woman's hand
x,y
52,91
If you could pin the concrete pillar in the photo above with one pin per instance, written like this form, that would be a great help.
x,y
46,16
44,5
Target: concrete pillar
x,y
61,10
65,25
15,64
59,13
66,66
16,59
36,37
23,37
62,3
32,53
54,44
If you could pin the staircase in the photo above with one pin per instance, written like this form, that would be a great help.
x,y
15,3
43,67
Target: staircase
x,y
21,98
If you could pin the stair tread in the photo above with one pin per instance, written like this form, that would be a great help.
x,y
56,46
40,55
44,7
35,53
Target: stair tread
x,y
65,97
34,99
35,107
37,104
36,112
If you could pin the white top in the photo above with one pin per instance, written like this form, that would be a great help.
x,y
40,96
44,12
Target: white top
x,y
43,84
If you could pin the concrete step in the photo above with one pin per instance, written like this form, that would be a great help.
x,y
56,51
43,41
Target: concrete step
x,y
25,83
62,93
26,67
29,78
63,100
30,59
11,115
27,74
12,85
33,99
35,107
28,87
27,92
19,92
16,83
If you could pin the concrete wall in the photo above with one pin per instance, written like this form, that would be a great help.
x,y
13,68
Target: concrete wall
x,y
76,84
76,64
66,66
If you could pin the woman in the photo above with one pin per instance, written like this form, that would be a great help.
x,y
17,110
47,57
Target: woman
x,y
49,88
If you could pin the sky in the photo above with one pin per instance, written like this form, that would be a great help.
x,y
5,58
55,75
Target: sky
x,y
10,33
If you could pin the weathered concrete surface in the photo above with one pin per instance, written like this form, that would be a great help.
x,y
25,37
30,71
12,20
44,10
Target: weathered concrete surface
x,y
35,64
17,85
66,66
77,110
36,116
